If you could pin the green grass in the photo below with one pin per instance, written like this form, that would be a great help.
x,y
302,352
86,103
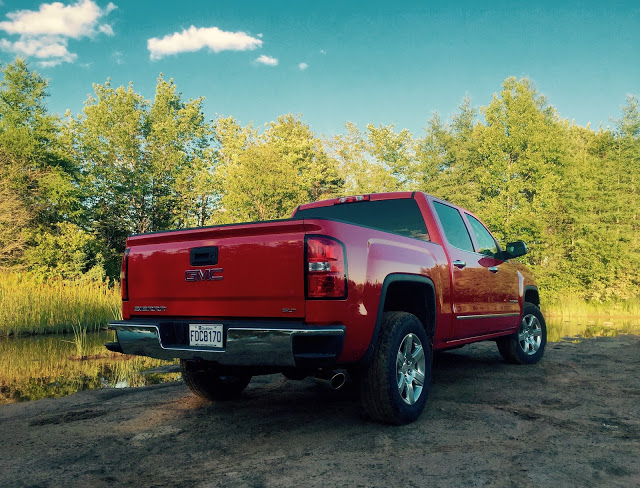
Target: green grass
x,y
79,340
30,307
574,307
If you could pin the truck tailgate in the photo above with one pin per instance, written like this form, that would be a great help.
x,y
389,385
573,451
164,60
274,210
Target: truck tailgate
x,y
244,270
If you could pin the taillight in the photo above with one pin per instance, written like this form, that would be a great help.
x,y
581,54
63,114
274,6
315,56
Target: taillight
x,y
326,268
124,275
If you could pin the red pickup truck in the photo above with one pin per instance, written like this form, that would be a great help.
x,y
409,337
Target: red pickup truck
x,y
365,286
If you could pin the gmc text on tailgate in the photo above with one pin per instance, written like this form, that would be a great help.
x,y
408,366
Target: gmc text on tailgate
x,y
366,287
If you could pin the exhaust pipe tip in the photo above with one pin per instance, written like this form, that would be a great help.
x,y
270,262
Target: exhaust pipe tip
x,y
337,381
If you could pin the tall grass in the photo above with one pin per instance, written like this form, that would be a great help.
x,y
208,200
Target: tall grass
x,y
31,307
79,340
574,307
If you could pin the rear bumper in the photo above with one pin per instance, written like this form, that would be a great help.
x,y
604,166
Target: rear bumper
x,y
248,343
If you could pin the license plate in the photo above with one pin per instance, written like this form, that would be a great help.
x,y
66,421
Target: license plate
x,y
210,335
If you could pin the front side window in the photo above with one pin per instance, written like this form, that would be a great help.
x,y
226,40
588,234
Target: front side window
x,y
453,226
486,243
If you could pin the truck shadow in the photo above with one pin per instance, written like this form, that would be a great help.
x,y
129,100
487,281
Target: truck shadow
x,y
311,401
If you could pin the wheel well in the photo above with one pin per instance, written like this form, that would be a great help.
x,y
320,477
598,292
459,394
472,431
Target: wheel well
x,y
531,296
415,298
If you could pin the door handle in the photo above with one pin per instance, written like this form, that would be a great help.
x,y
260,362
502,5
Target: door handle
x,y
459,264
493,269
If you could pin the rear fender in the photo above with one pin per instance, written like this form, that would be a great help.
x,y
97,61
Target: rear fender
x,y
429,321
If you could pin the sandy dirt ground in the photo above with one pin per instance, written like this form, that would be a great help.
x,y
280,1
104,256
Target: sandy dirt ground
x,y
571,420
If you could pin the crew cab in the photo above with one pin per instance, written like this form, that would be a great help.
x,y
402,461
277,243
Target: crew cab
x,y
366,286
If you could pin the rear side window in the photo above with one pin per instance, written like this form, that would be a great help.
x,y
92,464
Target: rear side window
x,y
453,226
400,216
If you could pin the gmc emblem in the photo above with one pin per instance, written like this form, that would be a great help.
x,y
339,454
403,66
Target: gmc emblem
x,y
203,274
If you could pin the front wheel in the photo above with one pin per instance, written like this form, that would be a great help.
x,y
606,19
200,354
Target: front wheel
x,y
394,386
206,381
527,345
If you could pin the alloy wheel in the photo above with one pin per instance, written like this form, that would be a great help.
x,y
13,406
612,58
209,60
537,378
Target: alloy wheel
x,y
410,369
530,334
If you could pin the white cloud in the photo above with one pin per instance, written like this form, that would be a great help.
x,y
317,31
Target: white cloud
x,y
322,51
44,33
106,29
55,19
118,57
303,66
194,39
52,50
268,60
51,63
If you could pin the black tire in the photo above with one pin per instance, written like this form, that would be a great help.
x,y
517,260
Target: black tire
x,y
527,345
205,380
382,397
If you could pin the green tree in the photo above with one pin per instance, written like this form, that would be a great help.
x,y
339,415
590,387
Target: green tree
x,y
147,166
109,140
14,219
582,265
626,210
267,176
34,162
446,157
38,181
180,160
519,159
378,160
259,186
67,252
317,173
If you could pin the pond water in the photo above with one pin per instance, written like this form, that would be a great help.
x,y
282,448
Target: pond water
x,y
51,366
563,328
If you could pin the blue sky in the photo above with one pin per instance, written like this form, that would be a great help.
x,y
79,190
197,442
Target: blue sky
x,y
365,62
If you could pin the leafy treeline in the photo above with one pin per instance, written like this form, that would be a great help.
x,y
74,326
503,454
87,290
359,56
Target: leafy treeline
x,y
73,187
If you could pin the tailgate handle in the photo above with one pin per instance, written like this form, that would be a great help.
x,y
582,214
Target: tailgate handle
x,y
203,256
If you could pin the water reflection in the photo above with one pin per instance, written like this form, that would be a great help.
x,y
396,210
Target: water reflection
x,y
49,366
562,328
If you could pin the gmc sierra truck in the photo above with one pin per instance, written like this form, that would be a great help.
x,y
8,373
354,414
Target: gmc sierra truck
x,y
366,286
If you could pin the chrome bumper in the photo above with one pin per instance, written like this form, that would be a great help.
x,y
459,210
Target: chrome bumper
x,y
247,344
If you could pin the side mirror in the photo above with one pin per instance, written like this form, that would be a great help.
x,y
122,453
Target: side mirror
x,y
513,250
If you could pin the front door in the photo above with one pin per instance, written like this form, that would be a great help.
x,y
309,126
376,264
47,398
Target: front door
x,y
473,306
501,277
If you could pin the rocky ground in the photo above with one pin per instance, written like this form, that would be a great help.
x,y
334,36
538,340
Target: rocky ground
x,y
571,420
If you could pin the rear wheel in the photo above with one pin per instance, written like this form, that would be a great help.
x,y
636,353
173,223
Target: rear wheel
x,y
205,380
527,345
394,386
